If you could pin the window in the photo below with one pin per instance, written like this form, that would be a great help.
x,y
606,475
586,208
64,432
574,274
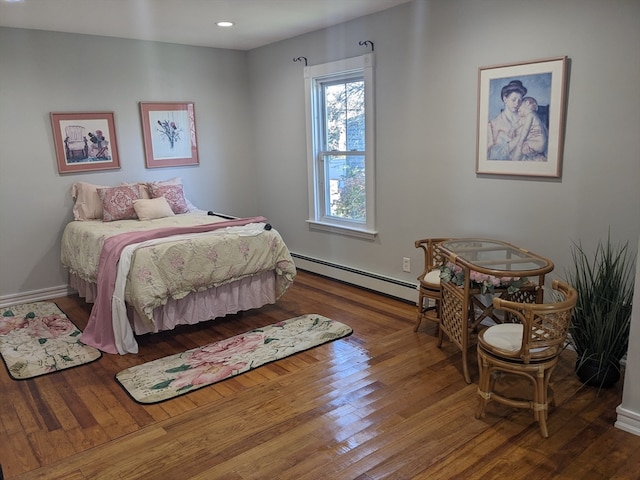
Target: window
x,y
340,143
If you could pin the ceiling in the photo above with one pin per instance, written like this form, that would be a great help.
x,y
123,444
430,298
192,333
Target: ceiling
x,y
189,22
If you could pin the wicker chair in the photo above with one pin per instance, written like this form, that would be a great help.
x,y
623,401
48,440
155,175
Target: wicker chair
x,y
529,348
75,142
429,288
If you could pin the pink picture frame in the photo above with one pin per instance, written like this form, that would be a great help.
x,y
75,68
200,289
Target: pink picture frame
x,y
169,132
85,141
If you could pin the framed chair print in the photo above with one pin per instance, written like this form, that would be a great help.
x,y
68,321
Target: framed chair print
x,y
521,114
85,141
169,131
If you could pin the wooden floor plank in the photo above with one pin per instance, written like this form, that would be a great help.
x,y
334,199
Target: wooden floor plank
x,y
383,403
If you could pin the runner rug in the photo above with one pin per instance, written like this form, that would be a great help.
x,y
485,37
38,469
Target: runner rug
x,y
38,338
185,372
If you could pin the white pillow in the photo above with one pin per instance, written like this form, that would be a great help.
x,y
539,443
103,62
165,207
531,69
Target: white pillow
x,y
149,209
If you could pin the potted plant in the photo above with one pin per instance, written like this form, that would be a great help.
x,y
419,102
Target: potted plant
x,y
599,330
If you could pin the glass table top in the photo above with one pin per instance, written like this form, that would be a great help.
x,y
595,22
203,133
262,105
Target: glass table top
x,y
494,256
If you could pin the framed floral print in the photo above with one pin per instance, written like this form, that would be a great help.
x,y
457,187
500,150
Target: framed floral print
x,y
169,131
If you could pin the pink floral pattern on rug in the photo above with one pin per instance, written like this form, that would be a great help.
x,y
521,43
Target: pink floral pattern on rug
x,y
37,338
175,375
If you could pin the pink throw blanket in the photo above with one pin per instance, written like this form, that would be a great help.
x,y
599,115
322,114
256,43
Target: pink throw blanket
x,y
99,330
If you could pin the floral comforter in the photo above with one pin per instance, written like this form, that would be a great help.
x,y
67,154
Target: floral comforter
x,y
175,268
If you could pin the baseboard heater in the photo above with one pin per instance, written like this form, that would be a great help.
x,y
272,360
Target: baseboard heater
x,y
361,278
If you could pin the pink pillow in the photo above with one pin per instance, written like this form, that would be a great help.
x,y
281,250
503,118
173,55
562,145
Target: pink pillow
x,y
174,195
117,202
142,187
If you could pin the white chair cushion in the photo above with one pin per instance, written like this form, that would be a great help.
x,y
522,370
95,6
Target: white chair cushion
x,y
433,277
505,336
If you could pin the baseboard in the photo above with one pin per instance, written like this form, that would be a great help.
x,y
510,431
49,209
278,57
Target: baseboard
x,y
35,295
371,281
628,420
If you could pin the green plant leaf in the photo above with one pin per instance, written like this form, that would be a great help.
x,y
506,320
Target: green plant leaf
x,y
599,329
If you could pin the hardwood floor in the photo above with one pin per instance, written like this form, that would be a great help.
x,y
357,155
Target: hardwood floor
x,y
382,403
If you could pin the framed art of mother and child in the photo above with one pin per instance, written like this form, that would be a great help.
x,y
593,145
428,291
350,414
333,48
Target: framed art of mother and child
x,y
521,114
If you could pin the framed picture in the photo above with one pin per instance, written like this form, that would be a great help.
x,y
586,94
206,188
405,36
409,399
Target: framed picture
x,y
521,114
85,141
169,131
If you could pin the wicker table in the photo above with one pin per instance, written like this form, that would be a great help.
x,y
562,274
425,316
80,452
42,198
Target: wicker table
x,y
462,308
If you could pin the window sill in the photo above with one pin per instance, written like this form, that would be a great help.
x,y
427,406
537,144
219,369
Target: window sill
x,y
343,230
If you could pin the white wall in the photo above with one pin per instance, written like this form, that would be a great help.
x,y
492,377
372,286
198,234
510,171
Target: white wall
x,y
250,119
629,410
427,59
42,72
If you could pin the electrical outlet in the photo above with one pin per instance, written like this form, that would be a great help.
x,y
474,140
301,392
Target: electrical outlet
x,y
406,264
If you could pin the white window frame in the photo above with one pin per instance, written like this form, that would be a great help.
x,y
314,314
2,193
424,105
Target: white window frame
x,y
313,76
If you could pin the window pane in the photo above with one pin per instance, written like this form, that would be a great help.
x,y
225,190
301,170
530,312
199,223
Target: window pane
x,y
341,162
344,110
345,187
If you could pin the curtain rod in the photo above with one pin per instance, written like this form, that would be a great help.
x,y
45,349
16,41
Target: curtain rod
x,y
361,43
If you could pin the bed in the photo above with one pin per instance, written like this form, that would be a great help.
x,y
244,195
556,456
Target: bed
x,y
155,269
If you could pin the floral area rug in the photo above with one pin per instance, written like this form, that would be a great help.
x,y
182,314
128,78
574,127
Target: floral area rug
x,y
37,338
178,374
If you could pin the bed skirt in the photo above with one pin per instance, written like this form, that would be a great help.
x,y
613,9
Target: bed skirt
x,y
246,293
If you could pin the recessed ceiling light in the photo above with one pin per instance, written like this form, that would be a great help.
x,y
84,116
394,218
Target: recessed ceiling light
x,y
224,24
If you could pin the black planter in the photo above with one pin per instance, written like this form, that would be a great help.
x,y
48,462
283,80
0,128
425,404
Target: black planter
x,y
590,373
